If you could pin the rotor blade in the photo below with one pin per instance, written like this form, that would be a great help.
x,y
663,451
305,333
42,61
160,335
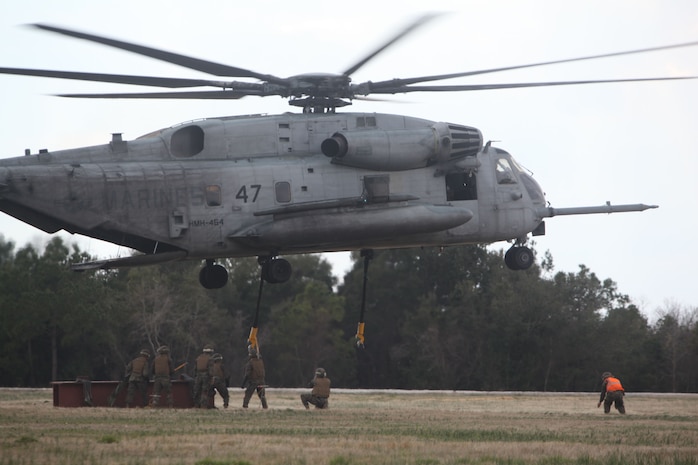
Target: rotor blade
x,y
419,22
515,85
116,78
193,95
438,77
182,60
374,99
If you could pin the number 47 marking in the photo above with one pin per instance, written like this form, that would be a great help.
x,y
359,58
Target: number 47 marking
x,y
254,192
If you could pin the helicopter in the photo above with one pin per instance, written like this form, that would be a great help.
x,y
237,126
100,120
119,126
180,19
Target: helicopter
x,y
318,180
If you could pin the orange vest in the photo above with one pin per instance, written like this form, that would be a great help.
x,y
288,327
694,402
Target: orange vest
x,y
613,384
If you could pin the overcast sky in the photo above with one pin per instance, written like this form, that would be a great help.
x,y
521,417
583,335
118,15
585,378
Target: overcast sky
x,y
623,143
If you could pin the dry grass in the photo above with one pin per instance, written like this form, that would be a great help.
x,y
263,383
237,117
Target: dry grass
x,y
361,427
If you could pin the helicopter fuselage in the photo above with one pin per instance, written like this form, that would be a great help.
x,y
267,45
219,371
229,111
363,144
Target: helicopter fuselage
x,y
239,186
292,183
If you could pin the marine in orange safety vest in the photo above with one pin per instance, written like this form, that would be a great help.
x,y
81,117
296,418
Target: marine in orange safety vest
x,y
612,392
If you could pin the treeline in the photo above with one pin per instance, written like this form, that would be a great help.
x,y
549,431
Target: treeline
x,y
451,319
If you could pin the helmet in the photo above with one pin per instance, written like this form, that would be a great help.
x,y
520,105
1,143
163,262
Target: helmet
x,y
320,372
208,348
606,374
144,352
163,350
216,356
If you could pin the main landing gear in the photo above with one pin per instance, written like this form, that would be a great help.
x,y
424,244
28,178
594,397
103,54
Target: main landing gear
x,y
274,270
213,275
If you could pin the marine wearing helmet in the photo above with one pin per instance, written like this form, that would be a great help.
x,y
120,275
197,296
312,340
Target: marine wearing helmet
x,y
320,394
203,377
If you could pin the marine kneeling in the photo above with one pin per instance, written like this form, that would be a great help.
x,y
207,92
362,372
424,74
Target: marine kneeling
x,y
320,394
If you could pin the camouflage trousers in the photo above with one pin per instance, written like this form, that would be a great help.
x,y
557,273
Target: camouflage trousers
x,y
261,392
202,386
162,384
318,402
139,383
218,385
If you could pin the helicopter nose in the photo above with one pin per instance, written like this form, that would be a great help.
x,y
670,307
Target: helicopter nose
x,y
533,188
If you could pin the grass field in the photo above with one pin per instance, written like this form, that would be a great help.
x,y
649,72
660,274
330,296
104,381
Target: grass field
x,y
361,427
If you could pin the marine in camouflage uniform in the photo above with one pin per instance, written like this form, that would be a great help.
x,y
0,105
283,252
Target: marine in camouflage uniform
x,y
218,379
137,370
162,374
320,394
254,379
202,377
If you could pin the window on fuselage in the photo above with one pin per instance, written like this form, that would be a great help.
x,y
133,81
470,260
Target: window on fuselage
x,y
366,122
283,191
461,186
213,196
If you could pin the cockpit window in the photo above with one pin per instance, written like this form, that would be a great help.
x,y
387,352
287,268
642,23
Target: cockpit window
x,y
505,174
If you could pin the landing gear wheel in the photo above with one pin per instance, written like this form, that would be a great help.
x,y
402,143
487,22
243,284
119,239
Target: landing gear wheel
x,y
519,258
509,259
213,276
276,270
